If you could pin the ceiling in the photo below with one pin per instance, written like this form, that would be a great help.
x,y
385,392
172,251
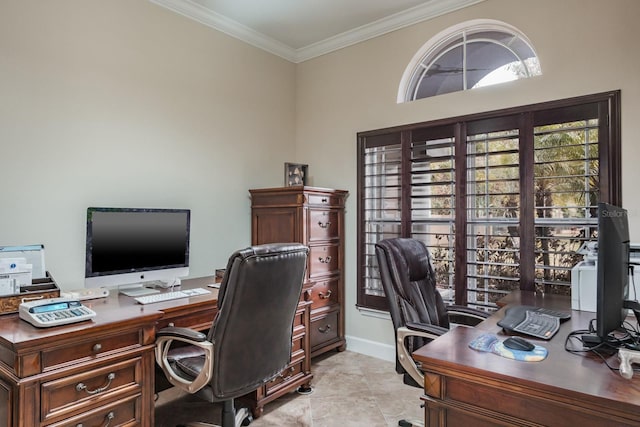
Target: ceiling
x,y
298,30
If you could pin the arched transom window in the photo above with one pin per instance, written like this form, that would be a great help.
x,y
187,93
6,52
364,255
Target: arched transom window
x,y
474,54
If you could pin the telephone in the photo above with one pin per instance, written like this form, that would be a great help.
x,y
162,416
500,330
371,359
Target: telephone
x,y
589,251
54,311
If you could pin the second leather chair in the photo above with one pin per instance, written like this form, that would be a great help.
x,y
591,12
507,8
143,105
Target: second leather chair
x,y
417,310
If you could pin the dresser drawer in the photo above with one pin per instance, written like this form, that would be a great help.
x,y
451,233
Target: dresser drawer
x,y
323,260
323,225
328,200
324,329
81,391
122,413
324,293
91,348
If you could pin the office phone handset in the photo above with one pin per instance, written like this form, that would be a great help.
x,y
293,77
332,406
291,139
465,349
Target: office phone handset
x,y
54,311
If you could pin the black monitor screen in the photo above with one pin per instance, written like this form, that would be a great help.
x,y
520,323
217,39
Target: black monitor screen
x,y
613,269
121,240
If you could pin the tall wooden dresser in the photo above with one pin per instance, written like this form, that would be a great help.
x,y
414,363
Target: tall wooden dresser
x,y
314,217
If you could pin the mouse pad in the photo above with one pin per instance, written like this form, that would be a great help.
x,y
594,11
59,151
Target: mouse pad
x,y
491,343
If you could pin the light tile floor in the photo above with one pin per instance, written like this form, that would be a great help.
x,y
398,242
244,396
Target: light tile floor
x,y
350,389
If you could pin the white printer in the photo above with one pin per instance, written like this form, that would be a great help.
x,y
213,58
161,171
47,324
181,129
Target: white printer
x,y
584,277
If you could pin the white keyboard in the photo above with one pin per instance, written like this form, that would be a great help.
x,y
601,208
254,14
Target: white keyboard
x,y
168,296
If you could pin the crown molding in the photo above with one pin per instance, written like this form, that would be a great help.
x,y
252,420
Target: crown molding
x,y
423,12
429,10
228,26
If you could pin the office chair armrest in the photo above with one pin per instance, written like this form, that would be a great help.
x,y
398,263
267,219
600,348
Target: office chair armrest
x,y
465,316
404,357
430,331
185,333
165,337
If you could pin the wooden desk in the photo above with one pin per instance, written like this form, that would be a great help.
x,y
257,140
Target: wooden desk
x,y
466,387
41,370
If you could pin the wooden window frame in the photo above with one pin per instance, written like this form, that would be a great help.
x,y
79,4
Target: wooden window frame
x,y
527,117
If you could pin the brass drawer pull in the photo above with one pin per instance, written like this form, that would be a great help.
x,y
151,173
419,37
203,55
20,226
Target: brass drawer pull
x,y
324,225
325,260
290,372
325,296
82,386
325,330
110,416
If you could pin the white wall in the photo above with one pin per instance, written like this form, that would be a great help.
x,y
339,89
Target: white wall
x,y
124,103
585,47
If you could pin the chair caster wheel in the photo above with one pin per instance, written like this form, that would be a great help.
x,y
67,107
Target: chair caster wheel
x,y
247,420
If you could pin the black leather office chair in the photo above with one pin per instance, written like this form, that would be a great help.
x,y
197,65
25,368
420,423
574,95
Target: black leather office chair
x,y
250,340
417,310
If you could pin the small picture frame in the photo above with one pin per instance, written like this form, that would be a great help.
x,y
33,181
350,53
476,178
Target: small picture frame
x,y
295,174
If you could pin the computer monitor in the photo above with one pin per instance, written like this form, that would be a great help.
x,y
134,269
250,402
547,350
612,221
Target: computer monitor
x,y
612,269
126,246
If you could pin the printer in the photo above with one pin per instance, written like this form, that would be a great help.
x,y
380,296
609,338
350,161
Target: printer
x,y
584,277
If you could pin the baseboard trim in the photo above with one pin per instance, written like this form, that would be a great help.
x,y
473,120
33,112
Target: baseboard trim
x,y
371,348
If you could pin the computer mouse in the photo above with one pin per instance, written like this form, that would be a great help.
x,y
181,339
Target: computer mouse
x,y
517,343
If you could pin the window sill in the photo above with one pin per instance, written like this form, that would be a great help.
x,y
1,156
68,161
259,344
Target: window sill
x,y
379,314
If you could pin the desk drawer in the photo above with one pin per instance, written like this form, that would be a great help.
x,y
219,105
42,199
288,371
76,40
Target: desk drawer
x,y
200,320
123,413
93,347
299,319
323,225
79,392
323,260
465,402
288,375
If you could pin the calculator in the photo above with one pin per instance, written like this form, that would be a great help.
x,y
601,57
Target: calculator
x,y
54,312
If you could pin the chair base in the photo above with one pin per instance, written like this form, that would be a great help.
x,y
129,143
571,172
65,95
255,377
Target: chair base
x,y
410,423
230,417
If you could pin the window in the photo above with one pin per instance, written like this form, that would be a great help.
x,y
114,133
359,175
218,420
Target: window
x,y
474,54
503,199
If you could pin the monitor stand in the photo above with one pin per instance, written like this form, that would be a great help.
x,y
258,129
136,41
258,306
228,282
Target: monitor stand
x,y
136,290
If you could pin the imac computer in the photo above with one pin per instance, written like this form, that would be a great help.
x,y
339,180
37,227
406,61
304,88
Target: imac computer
x,y
612,271
128,247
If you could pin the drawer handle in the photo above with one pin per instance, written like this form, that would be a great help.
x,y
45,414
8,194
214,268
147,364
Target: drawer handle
x,y
324,200
325,224
82,386
325,260
325,330
110,416
325,296
97,347
307,295
282,376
